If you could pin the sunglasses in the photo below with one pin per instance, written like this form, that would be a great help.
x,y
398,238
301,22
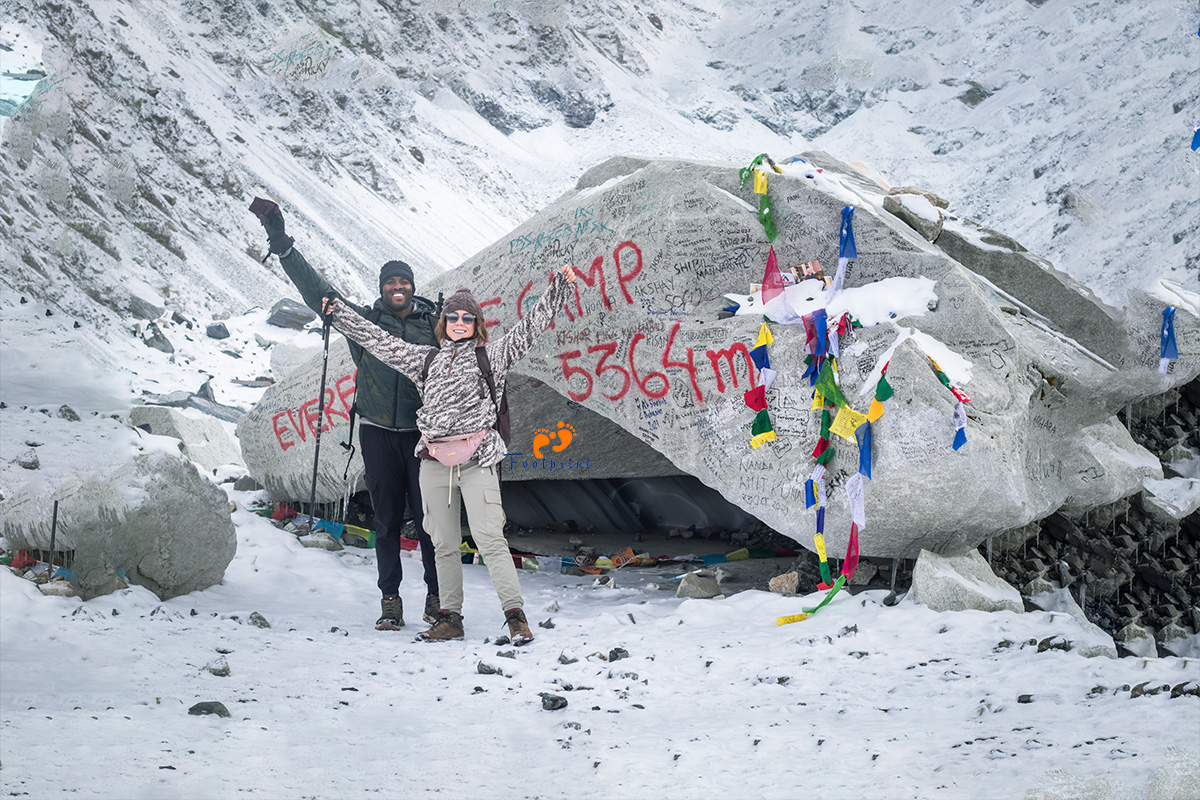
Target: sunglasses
x,y
466,318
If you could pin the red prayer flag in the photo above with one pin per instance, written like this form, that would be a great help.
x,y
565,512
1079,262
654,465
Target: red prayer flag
x,y
772,282
756,398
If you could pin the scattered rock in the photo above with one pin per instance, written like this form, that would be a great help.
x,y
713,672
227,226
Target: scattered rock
x,y
486,669
67,413
246,483
29,460
700,584
1136,640
217,330
553,702
1025,698
617,653
58,589
916,212
288,313
209,707
144,309
959,583
547,623
787,583
321,540
258,620
1178,642
153,337
219,666
1055,642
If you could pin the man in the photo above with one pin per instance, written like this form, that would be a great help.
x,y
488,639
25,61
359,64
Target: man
x,y
386,403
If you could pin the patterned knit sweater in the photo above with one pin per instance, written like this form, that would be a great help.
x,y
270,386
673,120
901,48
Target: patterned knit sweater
x,y
455,397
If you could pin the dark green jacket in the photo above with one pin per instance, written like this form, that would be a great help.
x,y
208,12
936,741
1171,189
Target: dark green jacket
x,y
384,397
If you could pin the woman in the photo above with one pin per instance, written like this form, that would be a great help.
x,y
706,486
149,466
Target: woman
x,y
456,402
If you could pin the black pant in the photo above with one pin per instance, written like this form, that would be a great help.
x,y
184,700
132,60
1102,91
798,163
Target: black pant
x,y
393,475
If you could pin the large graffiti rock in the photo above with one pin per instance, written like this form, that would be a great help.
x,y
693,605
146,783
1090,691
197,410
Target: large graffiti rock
x,y
153,520
644,357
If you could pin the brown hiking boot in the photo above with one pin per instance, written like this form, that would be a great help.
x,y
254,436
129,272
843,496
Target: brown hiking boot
x,y
392,616
447,625
518,626
432,606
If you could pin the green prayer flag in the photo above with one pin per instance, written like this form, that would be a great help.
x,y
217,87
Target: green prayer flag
x,y
826,421
883,391
828,388
826,457
762,423
837,586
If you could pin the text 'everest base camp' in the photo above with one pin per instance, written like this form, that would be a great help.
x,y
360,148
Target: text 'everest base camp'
x,y
654,365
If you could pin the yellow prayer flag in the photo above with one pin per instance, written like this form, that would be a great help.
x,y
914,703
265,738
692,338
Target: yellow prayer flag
x,y
790,618
847,422
762,438
764,336
738,555
819,541
818,400
875,411
760,182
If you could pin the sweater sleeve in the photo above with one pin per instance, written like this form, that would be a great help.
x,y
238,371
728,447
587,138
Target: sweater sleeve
x,y
522,336
407,359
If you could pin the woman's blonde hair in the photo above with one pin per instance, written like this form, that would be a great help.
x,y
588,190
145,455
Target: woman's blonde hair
x,y
480,336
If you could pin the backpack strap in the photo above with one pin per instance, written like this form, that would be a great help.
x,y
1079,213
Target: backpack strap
x,y
428,361
485,368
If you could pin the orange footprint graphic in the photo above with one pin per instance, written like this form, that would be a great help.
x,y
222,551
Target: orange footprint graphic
x,y
565,434
541,438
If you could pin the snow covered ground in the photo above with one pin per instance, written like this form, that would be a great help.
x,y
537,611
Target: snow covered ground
x,y
714,699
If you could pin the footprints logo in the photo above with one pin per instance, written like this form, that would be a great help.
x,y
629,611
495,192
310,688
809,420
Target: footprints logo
x,y
542,437
546,443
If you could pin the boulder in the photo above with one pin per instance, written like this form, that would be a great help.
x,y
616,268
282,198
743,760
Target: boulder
x,y
646,377
701,584
958,583
153,518
916,212
216,330
288,313
204,439
296,352
144,309
320,540
787,583
1136,640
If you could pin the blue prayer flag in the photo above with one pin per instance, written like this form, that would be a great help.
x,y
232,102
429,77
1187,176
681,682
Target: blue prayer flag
x,y
821,519
863,436
846,247
1167,348
1196,140
960,438
810,496
760,358
820,326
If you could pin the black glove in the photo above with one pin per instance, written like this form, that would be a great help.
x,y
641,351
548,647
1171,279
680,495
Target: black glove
x,y
271,217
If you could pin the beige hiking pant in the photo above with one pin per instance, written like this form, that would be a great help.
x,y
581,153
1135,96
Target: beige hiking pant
x,y
479,488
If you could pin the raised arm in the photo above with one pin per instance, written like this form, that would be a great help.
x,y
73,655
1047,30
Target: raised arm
x,y
522,336
407,359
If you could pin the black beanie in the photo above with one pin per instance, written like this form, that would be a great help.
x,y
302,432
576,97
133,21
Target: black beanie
x,y
394,269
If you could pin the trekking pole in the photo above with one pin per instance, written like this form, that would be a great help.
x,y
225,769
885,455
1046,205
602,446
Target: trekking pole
x,y
327,323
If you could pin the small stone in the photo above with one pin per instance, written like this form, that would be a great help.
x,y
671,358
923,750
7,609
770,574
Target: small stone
x,y
700,584
617,653
1025,698
67,413
29,460
1053,643
320,540
563,658
58,589
258,620
548,623
787,583
209,707
219,666
288,313
486,669
553,702
246,484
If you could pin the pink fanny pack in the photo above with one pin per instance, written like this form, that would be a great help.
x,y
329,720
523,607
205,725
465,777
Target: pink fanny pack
x,y
453,450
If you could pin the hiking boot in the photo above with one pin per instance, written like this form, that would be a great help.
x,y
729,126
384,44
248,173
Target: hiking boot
x,y
432,606
392,616
446,625
518,626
